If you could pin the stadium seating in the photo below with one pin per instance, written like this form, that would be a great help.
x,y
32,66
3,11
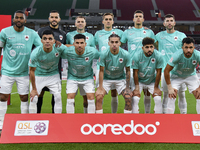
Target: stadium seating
x,y
106,4
183,10
128,7
82,4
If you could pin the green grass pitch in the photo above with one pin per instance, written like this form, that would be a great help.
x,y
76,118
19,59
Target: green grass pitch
x,y
46,108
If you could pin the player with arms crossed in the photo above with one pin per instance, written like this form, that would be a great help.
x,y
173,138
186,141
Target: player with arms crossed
x,y
80,23
101,39
183,70
44,71
80,73
169,42
112,63
144,65
16,42
134,37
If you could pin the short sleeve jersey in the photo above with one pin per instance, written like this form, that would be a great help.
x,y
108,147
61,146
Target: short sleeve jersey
x,y
114,64
168,44
134,37
46,63
89,38
17,50
184,67
101,37
147,66
80,66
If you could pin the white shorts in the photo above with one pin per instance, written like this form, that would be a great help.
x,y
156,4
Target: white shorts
x,y
164,85
86,85
119,84
113,87
22,84
53,83
149,87
192,82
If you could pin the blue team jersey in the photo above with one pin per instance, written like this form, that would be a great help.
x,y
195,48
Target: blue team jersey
x,y
46,63
134,37
89,38
147,65
114,64
17,49
80,66
184,67
169,43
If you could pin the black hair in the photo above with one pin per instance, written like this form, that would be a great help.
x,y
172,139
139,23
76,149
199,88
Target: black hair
x,y
188,40
113,35
47,32
147,40
79,36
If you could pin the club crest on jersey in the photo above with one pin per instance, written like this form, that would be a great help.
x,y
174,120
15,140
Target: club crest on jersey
x,y
61,37
153,60
87,38
176,38
56,54
86,59
113,32
26,37
120,60
194,62
144,32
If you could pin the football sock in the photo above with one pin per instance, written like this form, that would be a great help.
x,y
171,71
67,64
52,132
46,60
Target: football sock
x,y
147,104
182,103
58,103
171,106
99,111
85,109
158,105
127,111
135,108
114,104
33,105
3,109
198,106
164,102
24,107
91,106
70,106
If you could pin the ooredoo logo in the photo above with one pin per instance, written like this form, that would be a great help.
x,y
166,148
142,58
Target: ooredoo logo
x,y
118,129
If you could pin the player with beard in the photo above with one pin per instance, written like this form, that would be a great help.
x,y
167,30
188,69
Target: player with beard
x,y
134,37
112,62
80,23
59,35
182,67
169,41
147,66
16,42
101,39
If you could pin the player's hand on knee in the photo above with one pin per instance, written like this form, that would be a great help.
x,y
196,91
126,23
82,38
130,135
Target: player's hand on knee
x,y
136,93
157,92
127,91
172,93
33,94
100,91
58,43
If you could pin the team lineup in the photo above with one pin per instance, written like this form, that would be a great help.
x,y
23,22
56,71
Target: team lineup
x,y
123,72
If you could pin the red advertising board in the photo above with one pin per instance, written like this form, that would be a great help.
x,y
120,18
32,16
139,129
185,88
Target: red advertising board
x,y
47,128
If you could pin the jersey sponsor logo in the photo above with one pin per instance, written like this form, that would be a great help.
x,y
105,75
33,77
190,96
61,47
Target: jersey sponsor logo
x,y
11,38
144,32
153,60
133,47
60,37
176,38
86,59
121,60
26,37
194,62
132,33
12,53
196,128
171,59
56,54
